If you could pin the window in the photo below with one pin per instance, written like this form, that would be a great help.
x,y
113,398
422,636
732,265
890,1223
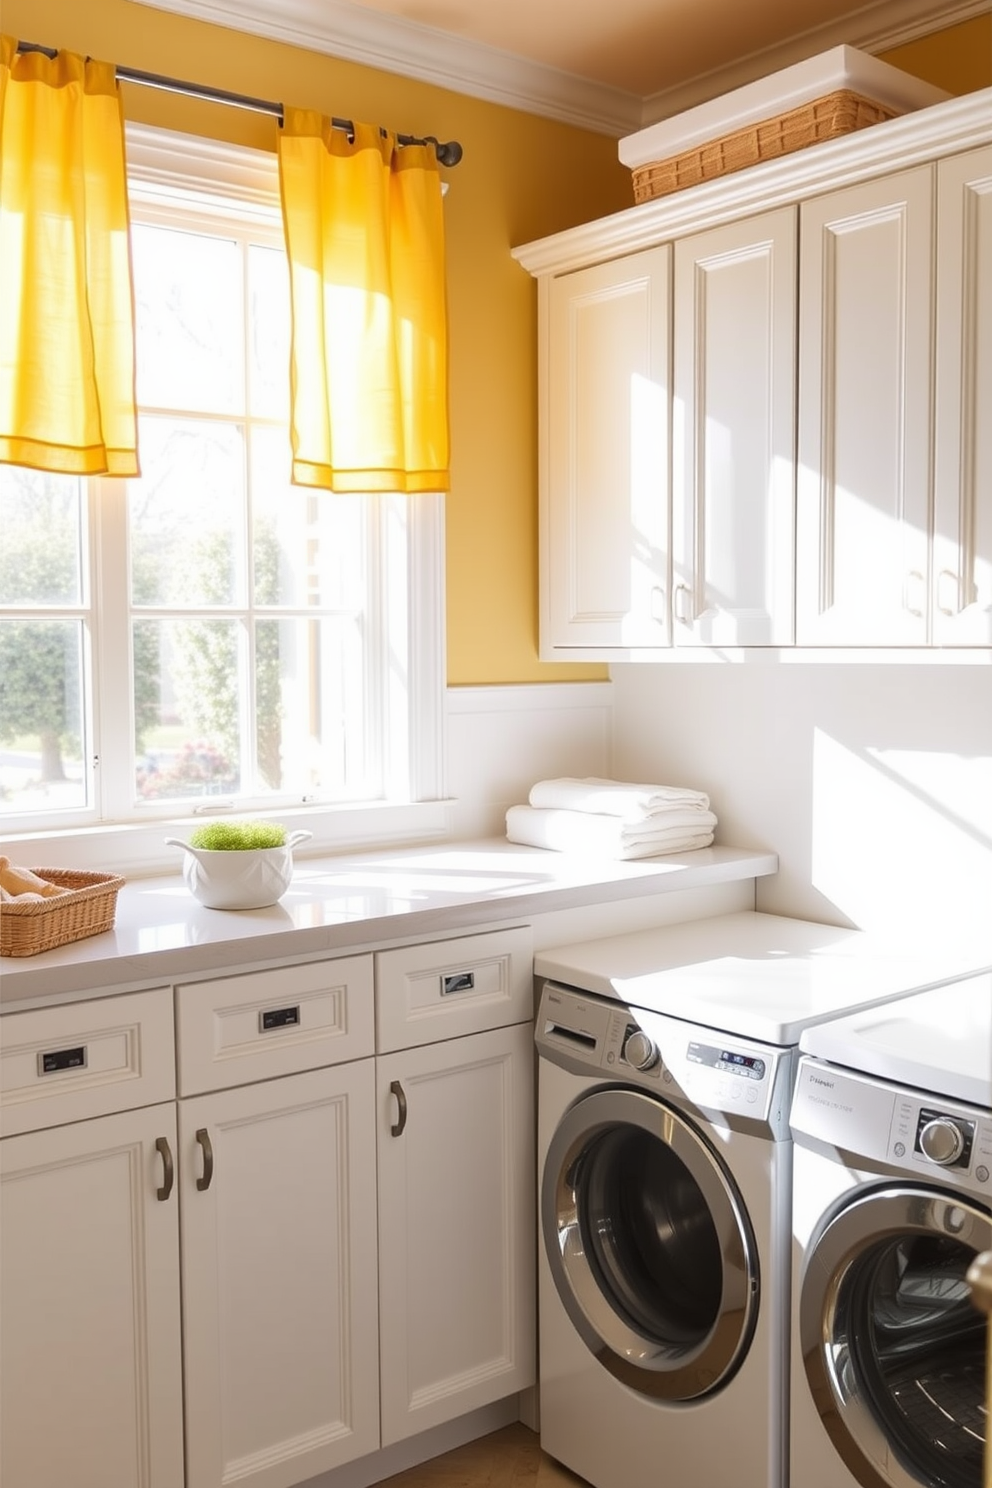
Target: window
x,y
209,637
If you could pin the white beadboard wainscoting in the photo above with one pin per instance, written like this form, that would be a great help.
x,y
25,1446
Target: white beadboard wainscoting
x,y
500,740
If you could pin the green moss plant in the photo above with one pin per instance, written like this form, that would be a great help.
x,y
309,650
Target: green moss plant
x,y
232,836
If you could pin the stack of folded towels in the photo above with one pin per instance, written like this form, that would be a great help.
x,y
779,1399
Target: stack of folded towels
x,y
612,818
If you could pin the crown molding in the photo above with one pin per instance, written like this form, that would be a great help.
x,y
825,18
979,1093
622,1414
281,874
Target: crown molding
x,y
392,44
875,28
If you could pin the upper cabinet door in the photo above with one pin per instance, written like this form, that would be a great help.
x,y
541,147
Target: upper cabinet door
x,y
865,298
605,457
733,433
962,548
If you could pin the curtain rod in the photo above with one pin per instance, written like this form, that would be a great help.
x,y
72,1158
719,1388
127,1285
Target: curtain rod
x,y
447,154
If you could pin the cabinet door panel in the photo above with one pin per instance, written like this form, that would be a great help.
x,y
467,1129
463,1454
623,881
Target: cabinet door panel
x,y
733,438
90,1368
864,413
605,542
279,1278
457,1216
962,612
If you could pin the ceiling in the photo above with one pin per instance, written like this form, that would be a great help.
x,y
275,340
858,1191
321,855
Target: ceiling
x,y
610,65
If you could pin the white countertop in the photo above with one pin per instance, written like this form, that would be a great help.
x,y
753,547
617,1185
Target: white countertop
x,y
756,975
352,902
939,1041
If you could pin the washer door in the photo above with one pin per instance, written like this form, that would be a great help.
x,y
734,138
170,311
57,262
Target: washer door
x,y
893,1347
649,1245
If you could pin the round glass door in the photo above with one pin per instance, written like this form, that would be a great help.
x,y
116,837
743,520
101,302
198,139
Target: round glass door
x,y
894,1348
649,1245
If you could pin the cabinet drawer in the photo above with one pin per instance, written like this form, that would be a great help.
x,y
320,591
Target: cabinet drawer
x,y
448,988
265,1023
86,1059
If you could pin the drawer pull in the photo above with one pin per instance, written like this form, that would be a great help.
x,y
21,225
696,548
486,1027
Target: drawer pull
x,y
284,1017
168,1169
55,1061
459,981
395,1088
203,1137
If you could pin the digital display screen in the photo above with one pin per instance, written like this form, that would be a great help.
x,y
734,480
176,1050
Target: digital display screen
x,y
743,1061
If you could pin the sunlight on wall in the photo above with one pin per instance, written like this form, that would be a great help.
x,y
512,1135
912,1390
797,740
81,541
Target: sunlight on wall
x,y
903,837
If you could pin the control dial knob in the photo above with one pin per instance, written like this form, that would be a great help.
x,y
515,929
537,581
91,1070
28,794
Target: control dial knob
x,y
941,1141
640,1051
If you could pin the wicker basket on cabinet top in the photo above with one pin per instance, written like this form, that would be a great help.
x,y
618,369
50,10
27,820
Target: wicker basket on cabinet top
x,y
822,98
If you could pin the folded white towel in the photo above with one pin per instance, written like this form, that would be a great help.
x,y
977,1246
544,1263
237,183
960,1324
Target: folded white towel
x,y
614,797
601,835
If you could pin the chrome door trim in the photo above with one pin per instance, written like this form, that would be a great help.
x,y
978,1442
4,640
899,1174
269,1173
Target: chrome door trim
x,y
878,1215
667,1372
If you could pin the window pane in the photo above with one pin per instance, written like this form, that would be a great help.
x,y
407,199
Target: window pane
x,y
186,515
309,548
268,333
41,716
188,320
40,538
187,675
311,709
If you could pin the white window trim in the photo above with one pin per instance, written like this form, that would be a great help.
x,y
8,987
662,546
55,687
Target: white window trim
x,y
242,182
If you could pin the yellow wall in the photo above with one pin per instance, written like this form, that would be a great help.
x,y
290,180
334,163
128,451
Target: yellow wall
x,y
521,178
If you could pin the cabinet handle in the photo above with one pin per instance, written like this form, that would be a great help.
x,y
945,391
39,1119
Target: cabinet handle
x,y
914,593
168,1169
203,1137
397,1129
683,607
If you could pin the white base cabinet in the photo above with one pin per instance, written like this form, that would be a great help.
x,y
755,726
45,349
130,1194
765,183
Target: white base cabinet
x,y
280,1302
319,1256
90,1369
456,1216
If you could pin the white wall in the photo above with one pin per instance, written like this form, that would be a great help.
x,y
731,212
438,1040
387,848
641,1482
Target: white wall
x,y
873,783
500,740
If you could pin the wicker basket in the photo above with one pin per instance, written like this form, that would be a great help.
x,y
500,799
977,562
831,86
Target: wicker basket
x,y
826,118
42,924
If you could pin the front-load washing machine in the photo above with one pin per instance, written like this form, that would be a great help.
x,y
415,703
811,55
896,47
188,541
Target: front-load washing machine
x,y
665,1072
892,1120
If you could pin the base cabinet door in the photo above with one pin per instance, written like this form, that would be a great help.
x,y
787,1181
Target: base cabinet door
x,y
279,1278
456,1227
90,1353
865,379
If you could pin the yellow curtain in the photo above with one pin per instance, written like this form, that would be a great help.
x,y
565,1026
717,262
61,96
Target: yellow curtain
x,y
365,239
66,304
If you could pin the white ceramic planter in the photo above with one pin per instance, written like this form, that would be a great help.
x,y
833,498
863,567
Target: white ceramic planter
x,y
249,878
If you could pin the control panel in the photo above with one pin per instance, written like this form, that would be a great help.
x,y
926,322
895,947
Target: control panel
x,y
687,1064
873,1122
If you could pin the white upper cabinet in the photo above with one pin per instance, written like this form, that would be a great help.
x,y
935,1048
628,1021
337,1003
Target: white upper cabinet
x,y
826,482
605,459
733,440
962,537
865,353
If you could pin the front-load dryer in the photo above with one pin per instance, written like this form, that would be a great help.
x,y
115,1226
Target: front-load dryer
x,y
663,1147
892,1120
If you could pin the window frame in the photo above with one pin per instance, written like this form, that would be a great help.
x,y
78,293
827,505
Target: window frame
x,y
242,184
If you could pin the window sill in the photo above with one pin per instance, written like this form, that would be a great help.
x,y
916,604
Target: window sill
x,y
140,851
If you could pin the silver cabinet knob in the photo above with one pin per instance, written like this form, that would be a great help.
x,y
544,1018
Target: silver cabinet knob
x,y
640,1051
941,1141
